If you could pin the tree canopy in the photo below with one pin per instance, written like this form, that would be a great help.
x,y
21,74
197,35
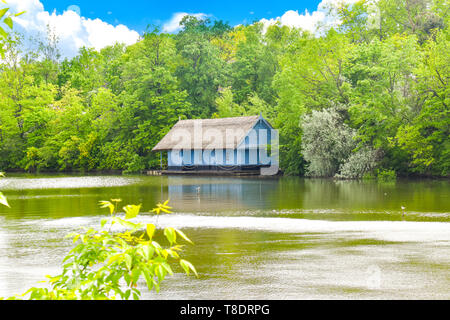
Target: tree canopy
x,y
371,93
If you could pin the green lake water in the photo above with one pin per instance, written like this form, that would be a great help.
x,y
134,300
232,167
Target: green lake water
x,y
255,238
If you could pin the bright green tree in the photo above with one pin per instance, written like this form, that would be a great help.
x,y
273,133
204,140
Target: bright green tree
x,y
201,71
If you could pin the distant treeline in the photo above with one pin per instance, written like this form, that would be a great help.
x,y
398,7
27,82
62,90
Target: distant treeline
x,y
365,98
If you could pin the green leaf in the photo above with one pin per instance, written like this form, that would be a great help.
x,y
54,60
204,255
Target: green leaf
x,y
114,258
3,200
128,261
107,204
3,11
8,21
150,230
135,274
75,238
157,247
171,235
173,253
160,272
103,222
187,266
156,284
184,236
131,211
148,278
148,251
167,267
126,224
3,33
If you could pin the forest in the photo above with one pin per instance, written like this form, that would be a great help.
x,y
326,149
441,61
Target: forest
x,y
367,98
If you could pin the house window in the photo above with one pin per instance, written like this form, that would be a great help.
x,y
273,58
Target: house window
x,y
198,157
229,156
187,159
212,158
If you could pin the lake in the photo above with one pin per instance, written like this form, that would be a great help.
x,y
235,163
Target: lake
x,y
255,238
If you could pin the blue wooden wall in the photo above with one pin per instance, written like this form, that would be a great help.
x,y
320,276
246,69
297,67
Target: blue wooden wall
x,y
246,154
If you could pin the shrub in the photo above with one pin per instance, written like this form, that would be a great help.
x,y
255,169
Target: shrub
x,y
326,143
386,175
359,164
135,165
107,265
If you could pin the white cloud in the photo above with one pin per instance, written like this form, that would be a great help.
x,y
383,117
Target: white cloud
x,y
102,34
173,25
307,21
73,30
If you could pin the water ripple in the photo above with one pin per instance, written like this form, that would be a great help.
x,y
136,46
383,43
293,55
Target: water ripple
x,y
65,182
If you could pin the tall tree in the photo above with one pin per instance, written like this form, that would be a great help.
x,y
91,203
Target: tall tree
x,y
201,71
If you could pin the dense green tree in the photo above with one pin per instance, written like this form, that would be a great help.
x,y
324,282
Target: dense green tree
x,y
84,72
311,77
426,137
201,71
151,101
366,96
226,107
327,142
255,66
382,94
418,17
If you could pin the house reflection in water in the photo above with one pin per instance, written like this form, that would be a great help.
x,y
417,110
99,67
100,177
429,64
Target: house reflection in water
x,y
217,194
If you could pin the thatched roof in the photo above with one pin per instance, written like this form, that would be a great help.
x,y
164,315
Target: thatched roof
x,y
225,133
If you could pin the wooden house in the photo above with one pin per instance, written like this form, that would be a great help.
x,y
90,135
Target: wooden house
x,y
227,144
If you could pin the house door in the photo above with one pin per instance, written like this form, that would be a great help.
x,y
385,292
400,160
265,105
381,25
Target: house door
x,y
187,157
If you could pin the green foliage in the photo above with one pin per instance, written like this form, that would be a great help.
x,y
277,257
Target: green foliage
x,y
255,66
327,142
6,24
107,265
359,164
427,137
386,61
3,200
386,175
312,72
226,107
201,71
380,74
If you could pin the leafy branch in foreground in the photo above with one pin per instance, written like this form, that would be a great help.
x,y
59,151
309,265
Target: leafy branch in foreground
x,y
3,200
6,22
106,265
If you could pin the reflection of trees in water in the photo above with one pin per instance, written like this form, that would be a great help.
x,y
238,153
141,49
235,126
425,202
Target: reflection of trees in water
x,y
348,194
222,193
421,195
358,192
328,193
219,194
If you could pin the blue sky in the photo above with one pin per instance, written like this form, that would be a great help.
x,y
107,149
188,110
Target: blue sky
x,y
97,23
137,14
